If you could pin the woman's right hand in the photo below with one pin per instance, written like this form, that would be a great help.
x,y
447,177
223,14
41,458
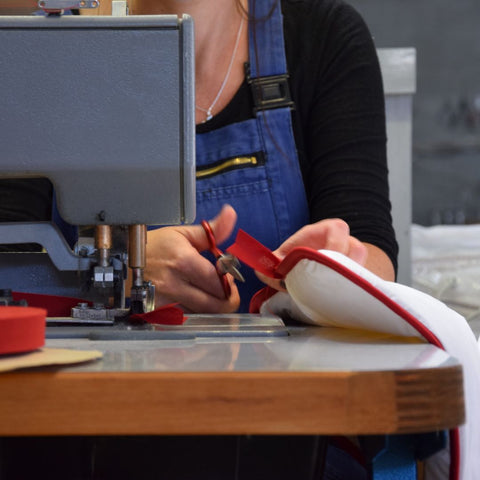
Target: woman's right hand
x,y
180,274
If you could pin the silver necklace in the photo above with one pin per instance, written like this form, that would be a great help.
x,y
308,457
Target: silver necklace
x,y
209,110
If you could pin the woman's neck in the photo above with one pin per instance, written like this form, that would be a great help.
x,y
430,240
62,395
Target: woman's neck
x,y
216,25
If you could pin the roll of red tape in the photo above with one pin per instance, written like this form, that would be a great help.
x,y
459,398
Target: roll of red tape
x,y
22,329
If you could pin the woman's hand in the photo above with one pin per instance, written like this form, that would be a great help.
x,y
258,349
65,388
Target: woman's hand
x,y
180,274
330,234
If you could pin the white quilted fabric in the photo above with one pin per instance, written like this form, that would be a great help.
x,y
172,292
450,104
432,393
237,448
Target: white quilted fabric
x,y
356,298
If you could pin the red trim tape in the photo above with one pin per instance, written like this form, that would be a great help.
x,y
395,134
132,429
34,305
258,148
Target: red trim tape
x,y
22,329
56,305
254,254
169,314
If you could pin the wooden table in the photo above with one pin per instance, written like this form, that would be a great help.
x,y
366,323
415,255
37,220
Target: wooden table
x,y
313,381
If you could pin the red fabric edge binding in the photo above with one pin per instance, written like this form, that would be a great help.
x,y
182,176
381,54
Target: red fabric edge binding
x,y
258,298
305,253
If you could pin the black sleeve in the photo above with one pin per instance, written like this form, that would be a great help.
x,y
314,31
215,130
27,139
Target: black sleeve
x,y
25,200
340,118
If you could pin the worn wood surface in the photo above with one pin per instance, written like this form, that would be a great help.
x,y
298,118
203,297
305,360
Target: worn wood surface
x,y
137,403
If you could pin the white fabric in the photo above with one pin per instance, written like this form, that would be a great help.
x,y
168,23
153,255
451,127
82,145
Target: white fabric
x,y
319,295
446,265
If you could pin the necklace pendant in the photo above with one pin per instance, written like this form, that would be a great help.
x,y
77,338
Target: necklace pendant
x,y
209,114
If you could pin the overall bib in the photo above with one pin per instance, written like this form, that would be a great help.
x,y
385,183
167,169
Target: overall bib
x,y
253,165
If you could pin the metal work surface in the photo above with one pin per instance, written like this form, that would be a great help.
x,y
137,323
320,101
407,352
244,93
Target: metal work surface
x,y
303,349
195,327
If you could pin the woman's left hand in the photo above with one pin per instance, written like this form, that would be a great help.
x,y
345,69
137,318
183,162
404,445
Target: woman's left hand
x,y
329,234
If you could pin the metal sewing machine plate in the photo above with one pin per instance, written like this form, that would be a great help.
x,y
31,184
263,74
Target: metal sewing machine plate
x,y
196,326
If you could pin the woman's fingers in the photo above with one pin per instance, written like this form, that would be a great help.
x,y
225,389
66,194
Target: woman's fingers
x,y
180,274
222,226
330,234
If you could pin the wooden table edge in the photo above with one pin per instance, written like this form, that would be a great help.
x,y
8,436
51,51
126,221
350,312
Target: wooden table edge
x,y
211,403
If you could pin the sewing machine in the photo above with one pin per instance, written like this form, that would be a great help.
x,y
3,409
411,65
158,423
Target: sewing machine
x,y
104,108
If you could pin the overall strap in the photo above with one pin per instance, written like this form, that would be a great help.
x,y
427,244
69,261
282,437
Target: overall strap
x,y
269,83
267,70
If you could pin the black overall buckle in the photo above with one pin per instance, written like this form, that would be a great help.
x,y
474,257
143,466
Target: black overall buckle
x,y
270,92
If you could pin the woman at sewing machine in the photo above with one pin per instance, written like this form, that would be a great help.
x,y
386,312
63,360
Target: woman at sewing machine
x,y
290,132
290,144
291,149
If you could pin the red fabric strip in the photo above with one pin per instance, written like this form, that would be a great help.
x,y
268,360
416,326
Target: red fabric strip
x,y
167,315
55,305
254,254
259,298
454,436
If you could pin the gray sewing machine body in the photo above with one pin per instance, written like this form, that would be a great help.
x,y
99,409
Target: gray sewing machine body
x,y
103,107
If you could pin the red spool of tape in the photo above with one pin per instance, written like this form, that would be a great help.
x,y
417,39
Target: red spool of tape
x,y
22,329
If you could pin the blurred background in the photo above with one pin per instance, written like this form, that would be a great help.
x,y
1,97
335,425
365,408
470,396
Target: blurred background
x,y
446,106
445,235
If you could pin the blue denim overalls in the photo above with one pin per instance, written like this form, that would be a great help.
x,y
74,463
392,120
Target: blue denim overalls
x,y
253,165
